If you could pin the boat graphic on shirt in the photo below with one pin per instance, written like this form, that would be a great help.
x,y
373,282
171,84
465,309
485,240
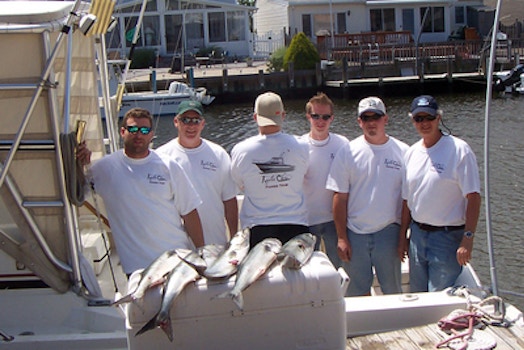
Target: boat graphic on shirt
x,y
274,165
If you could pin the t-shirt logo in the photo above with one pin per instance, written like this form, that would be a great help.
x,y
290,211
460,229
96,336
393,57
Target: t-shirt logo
x,y
156,179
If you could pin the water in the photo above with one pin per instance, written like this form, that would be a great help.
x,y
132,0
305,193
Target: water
x,y
464,115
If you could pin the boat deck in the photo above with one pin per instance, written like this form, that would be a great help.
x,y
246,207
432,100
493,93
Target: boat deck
x,y
428,336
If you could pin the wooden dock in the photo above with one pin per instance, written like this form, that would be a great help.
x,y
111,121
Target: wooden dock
x,y
428,336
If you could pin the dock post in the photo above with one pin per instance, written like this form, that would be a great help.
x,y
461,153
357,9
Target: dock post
x,y
261,82
344,76
191,77
152,80
318,74
224,80
449,67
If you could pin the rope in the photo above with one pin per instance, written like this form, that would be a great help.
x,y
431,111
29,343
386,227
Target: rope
x,y
74,175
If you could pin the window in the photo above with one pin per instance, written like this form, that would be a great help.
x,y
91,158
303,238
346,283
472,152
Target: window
x,y
321,24
434,21
460,17
341,23
236,29
173,33
306,25
382,20
217,26
150,30
408,20
194,23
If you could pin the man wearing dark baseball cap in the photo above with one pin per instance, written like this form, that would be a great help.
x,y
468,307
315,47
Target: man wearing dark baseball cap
x,y
441,201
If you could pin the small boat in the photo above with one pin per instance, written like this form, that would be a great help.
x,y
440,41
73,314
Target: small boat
x,y
164,102
509,82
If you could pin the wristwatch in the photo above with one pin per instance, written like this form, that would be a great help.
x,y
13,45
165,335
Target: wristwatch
x,y
469,234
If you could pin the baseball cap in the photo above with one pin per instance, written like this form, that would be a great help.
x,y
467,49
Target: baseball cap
x,y
426,104
269,109
189,105
371,104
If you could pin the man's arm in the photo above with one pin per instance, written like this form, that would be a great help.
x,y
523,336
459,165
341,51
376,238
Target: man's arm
x,y
472,217
231,215
340,213
405,220
194,227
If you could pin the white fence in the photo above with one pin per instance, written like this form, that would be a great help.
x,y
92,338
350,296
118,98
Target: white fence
x,y
264,45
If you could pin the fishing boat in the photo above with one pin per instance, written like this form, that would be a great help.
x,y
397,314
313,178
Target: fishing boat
x,y
59,272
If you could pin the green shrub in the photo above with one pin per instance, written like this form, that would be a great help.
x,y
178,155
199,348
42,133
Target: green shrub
x,y
143,58
276,60
302,53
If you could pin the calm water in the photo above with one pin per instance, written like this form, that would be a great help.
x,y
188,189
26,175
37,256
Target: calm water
x,y
464,115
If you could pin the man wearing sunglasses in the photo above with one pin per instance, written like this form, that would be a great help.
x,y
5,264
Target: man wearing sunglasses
x,y
441,201
150,202
366,176
323,145
208,166
269,168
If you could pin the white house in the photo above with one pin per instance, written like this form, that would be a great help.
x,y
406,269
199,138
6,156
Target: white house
x,y
427,20
176,26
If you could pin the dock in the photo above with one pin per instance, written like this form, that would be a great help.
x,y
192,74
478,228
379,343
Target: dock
x,y
229,82
428,336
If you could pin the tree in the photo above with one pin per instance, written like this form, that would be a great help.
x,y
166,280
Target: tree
x,y
301,52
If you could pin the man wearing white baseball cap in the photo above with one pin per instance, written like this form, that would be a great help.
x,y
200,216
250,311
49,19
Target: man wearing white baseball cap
x,y
366,176
269,169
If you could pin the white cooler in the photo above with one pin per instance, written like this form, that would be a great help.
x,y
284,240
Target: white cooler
x,y
285,309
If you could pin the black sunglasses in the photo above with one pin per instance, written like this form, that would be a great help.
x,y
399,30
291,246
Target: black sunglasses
x,y
421,118
133,129
318,116
366,118
187,120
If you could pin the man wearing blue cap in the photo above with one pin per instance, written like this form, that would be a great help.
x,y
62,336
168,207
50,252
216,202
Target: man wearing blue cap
x,y
208,167
441,201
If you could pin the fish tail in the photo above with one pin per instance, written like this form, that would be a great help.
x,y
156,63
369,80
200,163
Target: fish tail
x,y
238,299
148,326
125,299
165,325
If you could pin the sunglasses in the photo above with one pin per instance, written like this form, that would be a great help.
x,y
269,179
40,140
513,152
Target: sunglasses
x,y
421,118
187,120
133,129
318,116
374,117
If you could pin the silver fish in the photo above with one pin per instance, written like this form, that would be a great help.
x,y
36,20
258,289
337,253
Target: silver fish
x,y
227,262
192,258
177,279
296,252
252,267
152,276
210,252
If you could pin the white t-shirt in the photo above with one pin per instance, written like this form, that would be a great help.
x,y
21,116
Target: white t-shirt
x,y
438,180
144,199
372,175
319,200
208,167
270,170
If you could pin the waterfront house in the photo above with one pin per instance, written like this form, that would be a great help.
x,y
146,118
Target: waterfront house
x,y
426,20
173,27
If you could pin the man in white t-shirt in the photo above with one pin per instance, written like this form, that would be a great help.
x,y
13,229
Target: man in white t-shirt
x,y
270,168
441,206
366,176
208,166
323,145
150,202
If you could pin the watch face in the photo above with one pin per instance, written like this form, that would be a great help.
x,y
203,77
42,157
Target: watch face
x,y
468,234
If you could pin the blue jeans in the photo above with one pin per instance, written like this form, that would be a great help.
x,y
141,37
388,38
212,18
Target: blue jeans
x,y
433,264
328,232
378,249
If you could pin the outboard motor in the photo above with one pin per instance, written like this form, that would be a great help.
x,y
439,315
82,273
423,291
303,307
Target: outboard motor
x,y
513,77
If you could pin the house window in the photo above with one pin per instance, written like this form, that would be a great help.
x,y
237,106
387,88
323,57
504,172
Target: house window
x,y
382,19
321,24
306,25
236,30
434,22
194,23
460,15
174,33
217,26
341,23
